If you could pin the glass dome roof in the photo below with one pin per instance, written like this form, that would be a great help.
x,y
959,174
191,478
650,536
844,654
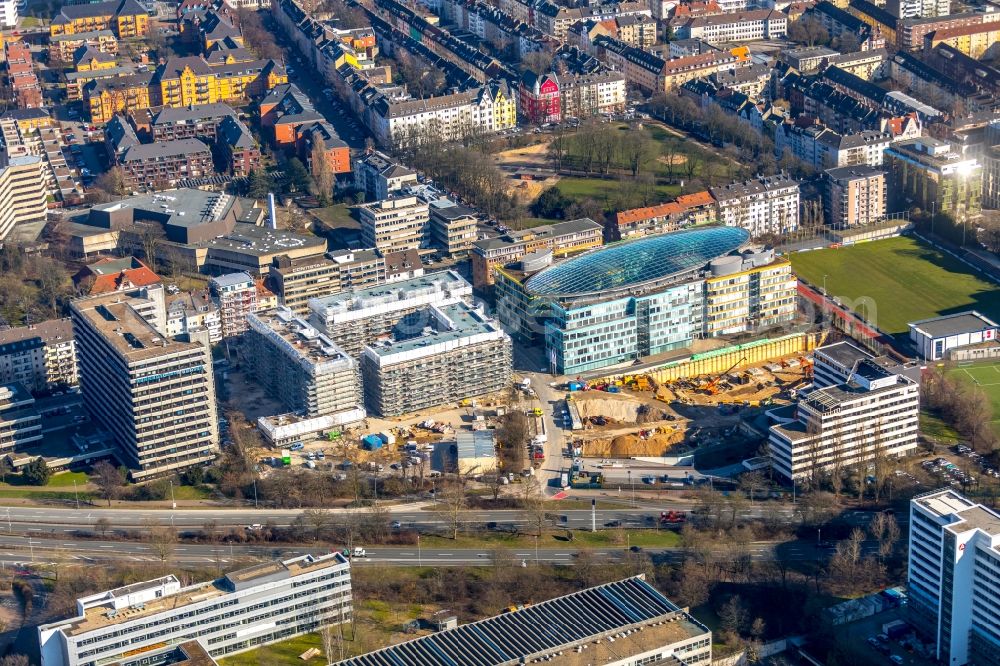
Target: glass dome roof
x,y
638,261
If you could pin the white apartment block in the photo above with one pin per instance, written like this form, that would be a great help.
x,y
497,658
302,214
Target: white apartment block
x,y
911,9
41,357
20,423
192,312
823,148
142,623
736,28
768,205
954,577
236,296
23,193
155,395
874,414
378,175
395,225
8,13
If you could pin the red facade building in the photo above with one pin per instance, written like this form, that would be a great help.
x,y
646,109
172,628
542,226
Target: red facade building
x,y
539,98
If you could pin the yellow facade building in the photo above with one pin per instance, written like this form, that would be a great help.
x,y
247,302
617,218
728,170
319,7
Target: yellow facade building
x,y
126,18
190,81
105,98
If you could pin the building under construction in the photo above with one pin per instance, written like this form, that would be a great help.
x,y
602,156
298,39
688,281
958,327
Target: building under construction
x,y
359,317
459,353
301,367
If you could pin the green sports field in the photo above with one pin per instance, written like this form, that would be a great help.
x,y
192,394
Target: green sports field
x,y
906,280
986,376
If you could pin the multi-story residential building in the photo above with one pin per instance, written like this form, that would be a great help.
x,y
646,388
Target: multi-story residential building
x,y
21,76
910,33
187,122
190,313
991,165
767,205
823,148
107,96
642,297
561,239
145,622
954,557
360,317
296,281
284,109
538,99
584,95
334,149
839,22
126,18
395,224
240,151
303,368
807,59
192,80
113,274
62,47
379,176
696,208
555,20
908,9
156,166
731,28
23,193
20,422
853,196
654,74
452,226
236,296
646,627
972,40
154,395
8,13
41,357
871,417
927,173
438,355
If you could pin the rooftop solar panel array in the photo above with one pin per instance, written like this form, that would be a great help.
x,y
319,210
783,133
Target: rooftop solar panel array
x,y
543,627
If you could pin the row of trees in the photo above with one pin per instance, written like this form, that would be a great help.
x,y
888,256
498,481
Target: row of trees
x,y
965,407
597,148
33,287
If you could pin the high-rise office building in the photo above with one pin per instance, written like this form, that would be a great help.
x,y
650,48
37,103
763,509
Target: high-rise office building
x,y
954,577
155,395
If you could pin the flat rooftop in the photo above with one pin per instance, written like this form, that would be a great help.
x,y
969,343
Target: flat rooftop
x,y
542,630
970,515
844,354
551,231
185,207
956,324
300,338
132,336
389,294
96,617
448,324
257,241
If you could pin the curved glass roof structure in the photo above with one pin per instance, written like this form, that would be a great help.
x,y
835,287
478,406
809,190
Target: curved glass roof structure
x,y
637,262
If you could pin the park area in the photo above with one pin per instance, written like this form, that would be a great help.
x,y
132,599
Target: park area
x,y
986,377
896,281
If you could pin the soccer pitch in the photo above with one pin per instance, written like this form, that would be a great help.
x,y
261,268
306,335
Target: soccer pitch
x,y
986,376
906,279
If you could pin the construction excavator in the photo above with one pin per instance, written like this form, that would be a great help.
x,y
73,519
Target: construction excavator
x,y
711,387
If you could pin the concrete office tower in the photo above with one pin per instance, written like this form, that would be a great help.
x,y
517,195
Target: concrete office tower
x,y
301,367
354,319
874,414
156,396
143,623
394,225
450,353
954,560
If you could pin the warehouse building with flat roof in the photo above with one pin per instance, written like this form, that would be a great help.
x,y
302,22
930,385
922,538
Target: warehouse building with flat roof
x,y
962,336
623,623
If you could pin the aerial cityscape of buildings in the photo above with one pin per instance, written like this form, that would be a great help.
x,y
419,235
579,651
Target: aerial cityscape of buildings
x,y
435,287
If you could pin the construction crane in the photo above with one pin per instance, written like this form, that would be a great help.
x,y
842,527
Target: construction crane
x,y
710,386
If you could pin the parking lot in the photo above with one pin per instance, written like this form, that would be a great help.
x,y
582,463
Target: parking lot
x,y
906,650
967,468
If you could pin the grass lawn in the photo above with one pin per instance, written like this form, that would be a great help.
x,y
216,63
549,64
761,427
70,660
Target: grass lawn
x,y
66,479
602,190
336,217
191,492
934,427
986,376
285,652
902,280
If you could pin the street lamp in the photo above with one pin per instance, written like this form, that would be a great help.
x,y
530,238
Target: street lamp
x,y
76,495
420,559
824,284
536,550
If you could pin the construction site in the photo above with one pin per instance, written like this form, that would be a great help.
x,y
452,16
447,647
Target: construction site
x,y
673,421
